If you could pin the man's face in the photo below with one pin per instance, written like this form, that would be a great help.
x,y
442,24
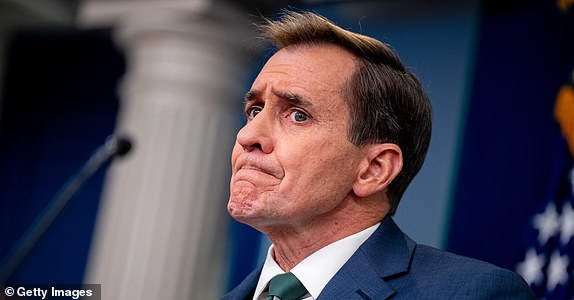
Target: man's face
x,y
292,162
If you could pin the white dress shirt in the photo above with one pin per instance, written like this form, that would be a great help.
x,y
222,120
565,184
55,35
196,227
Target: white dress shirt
x,y
316,270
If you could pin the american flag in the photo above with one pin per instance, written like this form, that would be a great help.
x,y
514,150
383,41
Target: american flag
x,y
547,260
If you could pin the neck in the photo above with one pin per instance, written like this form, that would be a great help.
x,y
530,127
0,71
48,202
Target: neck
x,y
294,242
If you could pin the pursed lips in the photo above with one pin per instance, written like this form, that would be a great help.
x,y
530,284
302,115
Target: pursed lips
x,y
248,163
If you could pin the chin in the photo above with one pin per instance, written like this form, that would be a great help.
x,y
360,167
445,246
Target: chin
x,y
247,214
240,210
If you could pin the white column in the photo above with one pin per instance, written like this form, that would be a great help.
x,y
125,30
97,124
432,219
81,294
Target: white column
x,y
160,230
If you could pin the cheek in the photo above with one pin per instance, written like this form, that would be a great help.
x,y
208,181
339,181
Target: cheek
x,y
329,175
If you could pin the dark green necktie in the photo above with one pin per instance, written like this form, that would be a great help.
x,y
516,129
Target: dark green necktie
x,y
286,287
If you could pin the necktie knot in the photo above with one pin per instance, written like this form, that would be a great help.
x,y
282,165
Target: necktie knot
x,y
286,286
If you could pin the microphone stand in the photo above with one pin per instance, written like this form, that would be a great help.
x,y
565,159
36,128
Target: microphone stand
x,y
112,147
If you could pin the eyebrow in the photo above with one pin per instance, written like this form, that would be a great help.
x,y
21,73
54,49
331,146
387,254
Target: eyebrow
x,y
294,99
250,96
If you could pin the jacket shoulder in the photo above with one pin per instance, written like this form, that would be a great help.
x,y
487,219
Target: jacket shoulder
x,y
437,272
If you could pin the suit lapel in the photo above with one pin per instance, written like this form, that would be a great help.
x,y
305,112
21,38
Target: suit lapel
x,y
357,279
386,254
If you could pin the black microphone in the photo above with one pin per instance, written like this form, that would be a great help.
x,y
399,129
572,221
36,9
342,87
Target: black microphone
x,y
113,147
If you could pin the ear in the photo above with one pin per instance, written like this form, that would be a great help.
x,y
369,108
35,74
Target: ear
x,y
382,164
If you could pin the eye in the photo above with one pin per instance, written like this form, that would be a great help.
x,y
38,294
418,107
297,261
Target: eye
x,y
252,112
298,116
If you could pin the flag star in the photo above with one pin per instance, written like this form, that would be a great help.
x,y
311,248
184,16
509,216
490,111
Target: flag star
x,y
547,223
531,268
566,223
557,273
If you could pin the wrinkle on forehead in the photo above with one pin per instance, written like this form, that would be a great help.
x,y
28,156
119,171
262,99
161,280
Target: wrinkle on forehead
x,y
326,67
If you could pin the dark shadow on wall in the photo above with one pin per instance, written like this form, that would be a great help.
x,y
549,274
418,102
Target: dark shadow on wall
x,y
59,104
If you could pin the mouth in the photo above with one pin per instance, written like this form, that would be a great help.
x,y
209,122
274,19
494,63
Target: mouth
x,y
252,175
248,167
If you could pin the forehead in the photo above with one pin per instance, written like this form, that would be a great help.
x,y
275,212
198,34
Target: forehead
x,y
308,69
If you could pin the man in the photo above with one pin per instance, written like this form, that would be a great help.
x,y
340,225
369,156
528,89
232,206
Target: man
x,y
336,129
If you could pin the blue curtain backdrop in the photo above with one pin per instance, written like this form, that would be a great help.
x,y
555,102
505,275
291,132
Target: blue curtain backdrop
x,y
525,54
59,105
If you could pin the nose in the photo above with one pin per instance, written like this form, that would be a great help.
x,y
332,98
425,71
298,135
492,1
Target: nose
x,y
257,134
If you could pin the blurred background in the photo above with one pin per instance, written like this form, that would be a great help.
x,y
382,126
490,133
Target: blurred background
x,y
171,75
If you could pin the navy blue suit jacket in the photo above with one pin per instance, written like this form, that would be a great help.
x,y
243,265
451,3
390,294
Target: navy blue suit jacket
x,y
391,265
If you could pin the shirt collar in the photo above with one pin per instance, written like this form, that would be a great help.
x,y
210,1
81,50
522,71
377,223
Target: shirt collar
x,y
328,259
